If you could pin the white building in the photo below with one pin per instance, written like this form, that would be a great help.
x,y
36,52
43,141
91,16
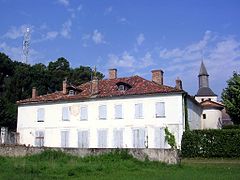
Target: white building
x,y
129,112
212,109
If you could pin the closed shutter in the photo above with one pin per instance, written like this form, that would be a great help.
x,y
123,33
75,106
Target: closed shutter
x,y
102,138
139,138
159,138
39,138
83,139
40,115
118,138
64,139
65,113
102,112
138,111
84,113
118,111
160,109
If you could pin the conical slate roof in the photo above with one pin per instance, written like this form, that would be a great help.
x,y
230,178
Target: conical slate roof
x,y
203,70
205,91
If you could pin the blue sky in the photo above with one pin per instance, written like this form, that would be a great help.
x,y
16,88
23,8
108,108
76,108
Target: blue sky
x,y
133,36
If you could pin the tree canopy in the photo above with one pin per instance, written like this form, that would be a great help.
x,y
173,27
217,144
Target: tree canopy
x,y
17,80
231,98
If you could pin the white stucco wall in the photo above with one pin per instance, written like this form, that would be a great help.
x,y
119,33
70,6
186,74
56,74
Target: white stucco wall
x,y
194,115
212,98
53,124
213,119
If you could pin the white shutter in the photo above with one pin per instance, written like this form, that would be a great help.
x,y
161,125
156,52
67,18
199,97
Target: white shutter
x,y
40,115
64,138
102,138
160,109
83,139
141,138
102,112
84,113
118,111
138,111
39,138
118,138
159,137
65,113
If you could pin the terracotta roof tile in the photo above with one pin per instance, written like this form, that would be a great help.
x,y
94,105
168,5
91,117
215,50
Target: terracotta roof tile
x,y
212,104
108,88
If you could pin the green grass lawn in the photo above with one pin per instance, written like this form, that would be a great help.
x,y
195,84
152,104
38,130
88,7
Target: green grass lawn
x,y
116,165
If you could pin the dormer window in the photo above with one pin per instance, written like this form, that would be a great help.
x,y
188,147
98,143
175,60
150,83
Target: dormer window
x,y
71,93
121,86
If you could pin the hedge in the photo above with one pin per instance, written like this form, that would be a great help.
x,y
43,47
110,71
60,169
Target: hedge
x,y
211,143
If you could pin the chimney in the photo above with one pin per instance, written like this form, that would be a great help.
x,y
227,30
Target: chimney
x,y
64,86
178,84
94,86
34,93
112,73
157,76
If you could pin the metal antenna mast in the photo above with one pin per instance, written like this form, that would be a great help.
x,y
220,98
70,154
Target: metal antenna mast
x,y
26,44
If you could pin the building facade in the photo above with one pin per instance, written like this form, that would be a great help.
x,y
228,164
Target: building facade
x,y
129,112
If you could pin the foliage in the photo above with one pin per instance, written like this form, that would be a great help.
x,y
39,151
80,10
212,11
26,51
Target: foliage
x,y
231,98
17,80
211,143
115,165
170,138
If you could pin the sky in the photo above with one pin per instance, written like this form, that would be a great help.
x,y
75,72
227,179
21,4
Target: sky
x,y
133,36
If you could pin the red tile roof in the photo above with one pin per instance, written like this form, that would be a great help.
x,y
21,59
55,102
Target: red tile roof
x,y
212,104
108,88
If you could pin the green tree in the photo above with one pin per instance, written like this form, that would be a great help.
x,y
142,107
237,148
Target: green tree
x,y
231,98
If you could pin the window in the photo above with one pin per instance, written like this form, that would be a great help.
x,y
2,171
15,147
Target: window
x,y
39,138
118,112
40,114
121,87
118,138
160,109
65,114
159,139
209,99
83,139
138,111
204,116
64,138
71,93
83,113
103,112
139,138
202,99
102,138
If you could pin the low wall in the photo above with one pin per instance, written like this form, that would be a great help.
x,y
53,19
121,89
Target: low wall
x,y
163,155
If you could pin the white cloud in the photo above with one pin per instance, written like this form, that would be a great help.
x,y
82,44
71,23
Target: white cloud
x,y
108,10
146,60
140,39
79,8
64,2
125,60
66,29
51,35
97,37
16,32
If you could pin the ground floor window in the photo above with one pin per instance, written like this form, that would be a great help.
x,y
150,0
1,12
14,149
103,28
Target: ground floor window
x,y
139,138
102,138
118,138
159,137
83,139
64,138
39,138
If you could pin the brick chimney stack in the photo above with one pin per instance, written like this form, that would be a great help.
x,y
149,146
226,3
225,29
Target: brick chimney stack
x,y
178,84
94,86
157,76
112,73
64,86
34,93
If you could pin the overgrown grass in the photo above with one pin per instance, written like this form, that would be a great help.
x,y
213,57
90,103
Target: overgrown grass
x,y
115,165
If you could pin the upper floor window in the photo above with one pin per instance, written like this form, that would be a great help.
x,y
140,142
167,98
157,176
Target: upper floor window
x,y
40,115
65,114
103,112
138,111
204,116
84,113
122,86
160,109
71,92
118,111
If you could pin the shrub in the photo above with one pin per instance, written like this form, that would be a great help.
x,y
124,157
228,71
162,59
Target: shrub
x,y
211,143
